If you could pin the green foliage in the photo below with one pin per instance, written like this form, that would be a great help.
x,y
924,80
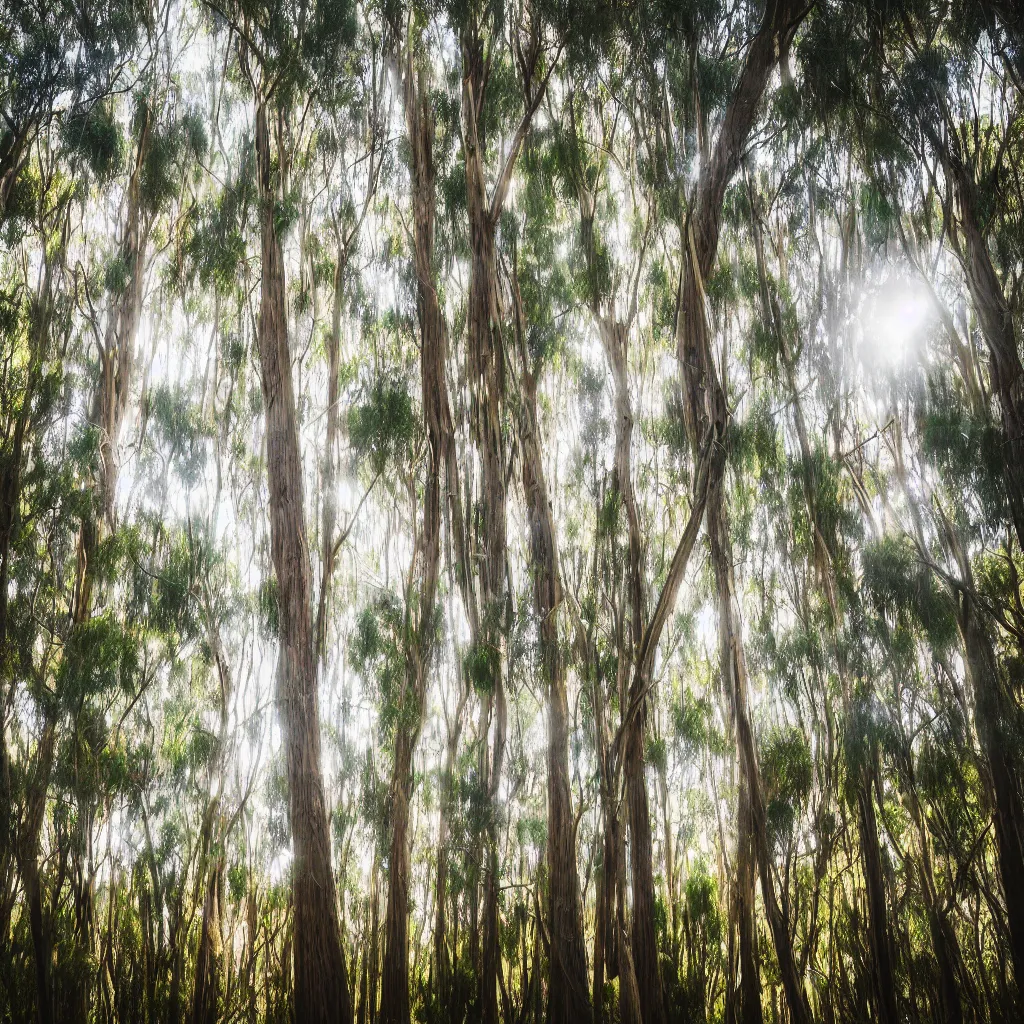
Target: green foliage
x,y
967,449
755,444
481,665
117,274
906,592
787,772
180,429
166,152
213,245
383,428
702,902
379,653
94,134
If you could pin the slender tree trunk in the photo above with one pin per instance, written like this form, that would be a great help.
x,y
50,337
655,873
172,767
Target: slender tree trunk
x,y
706,413
607,960
568,999
883,975
486,374
997,328
11,476
329,516
643,937
944,940
735,671
992,722
35,813
321,985
206,993
374,944
442,973
395,1002
745,913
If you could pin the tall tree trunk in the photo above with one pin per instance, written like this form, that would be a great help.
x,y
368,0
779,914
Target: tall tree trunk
x,y
12,467
486,374
734,672
1007,372
329,514
883,974
29,843
745,913
706,416
321,985
644,940
944,940
395,1004
997,328
206,993
643,936
643,955
994,713
608,927
568,998
442,987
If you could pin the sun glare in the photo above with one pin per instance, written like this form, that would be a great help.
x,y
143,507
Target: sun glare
x,y
895,317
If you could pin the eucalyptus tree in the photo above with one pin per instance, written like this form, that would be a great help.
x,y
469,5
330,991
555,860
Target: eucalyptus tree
x,y
513,51
611,294
706,415
414,81
533,291
59,72
286,56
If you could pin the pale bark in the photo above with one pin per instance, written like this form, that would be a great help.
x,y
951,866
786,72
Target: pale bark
x,y
706,414
321,984
395,1003
568,999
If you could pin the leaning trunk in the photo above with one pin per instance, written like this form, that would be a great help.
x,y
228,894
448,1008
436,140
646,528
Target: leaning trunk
x,y
706,417
994,733
734,670
997,328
